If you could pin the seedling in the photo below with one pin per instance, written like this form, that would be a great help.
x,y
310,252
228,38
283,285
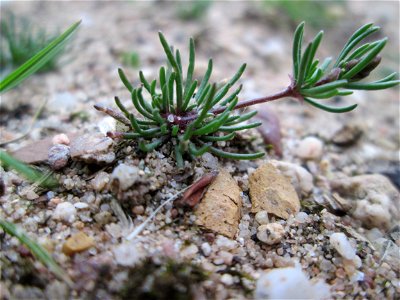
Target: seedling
x,y
194,115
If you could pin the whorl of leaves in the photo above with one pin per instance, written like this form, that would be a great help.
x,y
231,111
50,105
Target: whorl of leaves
x,y
179,108
315,81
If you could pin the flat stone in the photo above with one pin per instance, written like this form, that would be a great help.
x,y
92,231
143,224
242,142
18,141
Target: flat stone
x,y
372,199
38,151
93,148
220,208
77,243
272,192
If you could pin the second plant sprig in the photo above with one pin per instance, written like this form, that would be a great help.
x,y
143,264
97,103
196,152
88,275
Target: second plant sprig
x,y
195,115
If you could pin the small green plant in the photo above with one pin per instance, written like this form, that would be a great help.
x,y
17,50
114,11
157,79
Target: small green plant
x,y
194,115
20,40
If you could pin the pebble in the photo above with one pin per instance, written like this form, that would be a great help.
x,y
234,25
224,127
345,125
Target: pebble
x,y
100,181
128,254
347,135
77,243
227,279
138,210
103,217
262,217
65,211
226,257
224,243
302,217
310,148
290,283
342,245
60,139
272,192
301,179
81,205
124,176
206,249
209,161
372,199
189,252
271,233
93,149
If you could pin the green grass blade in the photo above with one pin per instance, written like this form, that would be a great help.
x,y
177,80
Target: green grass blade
x,y
38,251
38,60
28,172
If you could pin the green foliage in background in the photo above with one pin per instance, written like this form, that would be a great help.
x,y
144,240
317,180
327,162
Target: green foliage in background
x,y
193,9
34,63
316,13
20,40
131,59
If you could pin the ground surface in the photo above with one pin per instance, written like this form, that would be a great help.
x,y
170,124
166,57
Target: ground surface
x,y
173,248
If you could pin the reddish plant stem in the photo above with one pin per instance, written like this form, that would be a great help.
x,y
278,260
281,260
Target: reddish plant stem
x,y
182,121
288,92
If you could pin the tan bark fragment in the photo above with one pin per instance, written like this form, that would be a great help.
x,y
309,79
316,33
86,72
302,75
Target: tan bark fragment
x,y
220,208
273,192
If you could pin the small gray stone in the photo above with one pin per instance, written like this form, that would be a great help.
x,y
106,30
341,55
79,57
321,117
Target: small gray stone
x,y
58,156
342,245
270,233
65,211
262,217
94,148
310,148
373,199
124,176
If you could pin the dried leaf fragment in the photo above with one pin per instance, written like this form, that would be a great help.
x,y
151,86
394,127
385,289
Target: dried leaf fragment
x,y
195,192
